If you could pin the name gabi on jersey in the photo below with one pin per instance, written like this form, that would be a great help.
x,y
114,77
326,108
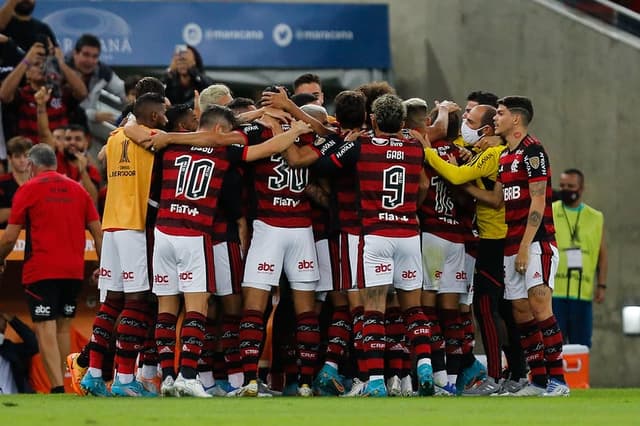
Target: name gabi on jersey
x,y
392,217
184,209
395,155
285,202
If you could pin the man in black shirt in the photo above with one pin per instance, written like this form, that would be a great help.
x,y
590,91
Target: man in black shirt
x,y
17,23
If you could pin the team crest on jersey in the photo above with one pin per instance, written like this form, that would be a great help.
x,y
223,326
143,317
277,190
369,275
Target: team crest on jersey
x,y
319,141
514,167
535,162
380,141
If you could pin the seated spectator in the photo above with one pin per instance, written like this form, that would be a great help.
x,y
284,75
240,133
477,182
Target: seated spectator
x,y
59,105
17,23
185,74
96,76
17,148
16,357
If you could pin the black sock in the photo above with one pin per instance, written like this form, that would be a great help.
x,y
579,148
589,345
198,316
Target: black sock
x,y
57,389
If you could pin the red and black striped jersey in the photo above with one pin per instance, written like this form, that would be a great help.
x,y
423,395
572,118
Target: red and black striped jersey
x,y
57,110
277,196
225,225
388,171
344,184
191,184
440,213
526,164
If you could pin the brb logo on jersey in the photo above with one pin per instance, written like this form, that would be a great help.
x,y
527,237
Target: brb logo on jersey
x,y
409,275
266,267
305,265
383,268
511,193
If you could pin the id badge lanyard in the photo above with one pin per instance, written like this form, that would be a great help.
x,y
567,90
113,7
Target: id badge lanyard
x,y
574,254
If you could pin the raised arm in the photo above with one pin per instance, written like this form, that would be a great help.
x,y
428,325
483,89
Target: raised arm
x,y
11,83
281,101
42,96
77,86
278,143
6,12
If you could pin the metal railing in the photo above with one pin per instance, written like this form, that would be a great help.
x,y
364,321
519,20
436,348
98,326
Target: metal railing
x,y
610,12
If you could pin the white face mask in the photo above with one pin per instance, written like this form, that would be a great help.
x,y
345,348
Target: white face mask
x,y
1,338
469,135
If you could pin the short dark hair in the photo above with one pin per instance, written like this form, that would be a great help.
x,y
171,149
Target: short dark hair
x,y
75,127
149,85
18,145
197,57
141,107
240,103
577,173
483,98
217,114
306,79
303,98
374,90
175,114
350,109
87,40
520,105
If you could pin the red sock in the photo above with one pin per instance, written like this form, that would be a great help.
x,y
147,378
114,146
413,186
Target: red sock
x,y
533,347
308,342
103,327
230,341
552,338
132,332
191,337
339,334
396,337
251,335
374,342
166,342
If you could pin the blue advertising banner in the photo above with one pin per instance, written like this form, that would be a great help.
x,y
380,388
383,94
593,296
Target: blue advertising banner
x,y
229,34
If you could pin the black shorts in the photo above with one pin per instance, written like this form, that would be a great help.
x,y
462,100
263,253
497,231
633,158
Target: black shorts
x,y
51,299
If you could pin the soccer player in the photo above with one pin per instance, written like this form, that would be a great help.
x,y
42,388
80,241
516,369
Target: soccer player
x,y
183,255
491,309
531,256
123,267
392,184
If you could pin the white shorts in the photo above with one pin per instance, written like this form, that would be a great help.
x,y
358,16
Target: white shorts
x,y
351,275
469,267
182,264
229,265
444,265
326,267
273,249
543,264
394,261
123,262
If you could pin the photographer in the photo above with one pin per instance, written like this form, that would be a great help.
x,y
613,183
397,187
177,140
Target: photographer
x,y
185,74
41,67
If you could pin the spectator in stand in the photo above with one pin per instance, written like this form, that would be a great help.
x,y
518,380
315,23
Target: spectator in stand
x,y
72,156
55,211
17,23
130,87
60,104
96,76
18,147
185,75
15,357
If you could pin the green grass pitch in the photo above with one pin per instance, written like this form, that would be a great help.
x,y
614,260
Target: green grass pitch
x,y
599,407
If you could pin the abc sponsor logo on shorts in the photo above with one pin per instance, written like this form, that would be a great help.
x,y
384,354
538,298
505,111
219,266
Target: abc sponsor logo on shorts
x,y
266,267
185,276
461,275
383,268
161,279
437,275
42,311
128,276
305,264
409,275
105,273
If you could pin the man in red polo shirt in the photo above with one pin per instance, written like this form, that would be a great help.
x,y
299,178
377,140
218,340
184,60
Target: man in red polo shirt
x,y
55,211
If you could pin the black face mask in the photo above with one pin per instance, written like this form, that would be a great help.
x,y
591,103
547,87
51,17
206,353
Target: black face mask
x,y
25,8
569,197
